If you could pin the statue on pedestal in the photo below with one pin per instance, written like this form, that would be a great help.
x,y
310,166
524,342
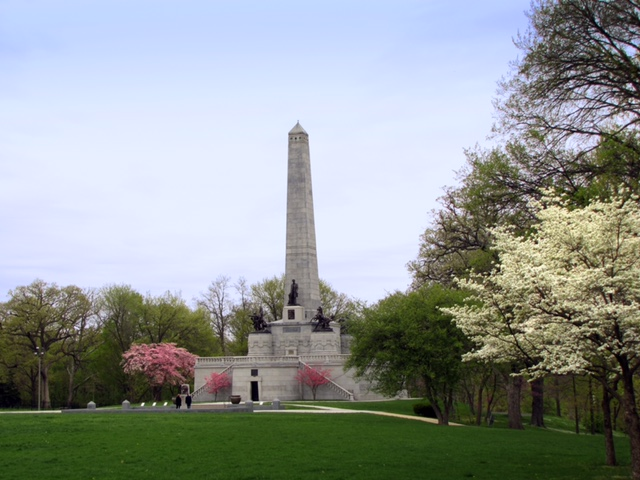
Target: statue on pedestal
x,y
293,293
259,323
323,322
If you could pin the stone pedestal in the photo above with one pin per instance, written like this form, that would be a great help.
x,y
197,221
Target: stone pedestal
x,y
293,313
260,344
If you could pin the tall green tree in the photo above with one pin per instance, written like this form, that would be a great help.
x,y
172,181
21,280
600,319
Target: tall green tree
x,y
406,341
199,338
79,348
269,294
568,115
241,325
338,305
120,312
41,317
164,318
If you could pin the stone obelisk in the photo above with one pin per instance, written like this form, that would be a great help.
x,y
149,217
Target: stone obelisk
x,y
301,262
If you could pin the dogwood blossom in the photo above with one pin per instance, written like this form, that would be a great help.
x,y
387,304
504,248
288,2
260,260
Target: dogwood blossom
x,y
313,378
568,296
217,382
160,363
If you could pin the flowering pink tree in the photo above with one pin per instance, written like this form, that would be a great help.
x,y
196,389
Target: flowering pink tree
x,y
217,382
313,378
160,363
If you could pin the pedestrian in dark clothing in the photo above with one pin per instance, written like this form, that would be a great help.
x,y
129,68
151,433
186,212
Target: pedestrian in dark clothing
x,y
187,400
178,401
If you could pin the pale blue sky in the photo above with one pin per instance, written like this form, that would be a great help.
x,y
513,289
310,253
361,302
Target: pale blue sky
x,y
144,142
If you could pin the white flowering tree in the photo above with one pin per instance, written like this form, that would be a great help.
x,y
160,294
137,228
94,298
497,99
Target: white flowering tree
x,y
569,295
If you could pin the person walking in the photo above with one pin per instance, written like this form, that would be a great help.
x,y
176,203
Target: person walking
x,y
187,400
178,401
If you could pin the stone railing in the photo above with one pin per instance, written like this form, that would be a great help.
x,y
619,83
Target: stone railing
x,y
327,358
239,361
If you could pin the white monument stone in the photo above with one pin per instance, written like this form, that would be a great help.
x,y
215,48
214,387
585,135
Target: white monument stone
x,y
276,353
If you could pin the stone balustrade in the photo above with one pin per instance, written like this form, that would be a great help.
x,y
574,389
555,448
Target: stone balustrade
x,y
315,359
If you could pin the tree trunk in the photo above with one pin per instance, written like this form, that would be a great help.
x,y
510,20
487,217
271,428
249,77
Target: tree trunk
x,y
46,398
556,382
71,370
609,447
34,379
441,399
491,396
442,414
592,415
471,400
537,402
575,405
70,393
632,419
479,405
514,391
439,413
157,393
448,407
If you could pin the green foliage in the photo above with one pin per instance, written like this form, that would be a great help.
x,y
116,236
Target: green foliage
x,y
406,340
127,317
338,305
54,323
240,326
84,333
163,318
9,395
269,294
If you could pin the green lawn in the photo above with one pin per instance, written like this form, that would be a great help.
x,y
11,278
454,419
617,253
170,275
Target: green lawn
x,y
288,446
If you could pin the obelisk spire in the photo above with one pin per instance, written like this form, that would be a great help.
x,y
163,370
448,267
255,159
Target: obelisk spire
x,y
301,257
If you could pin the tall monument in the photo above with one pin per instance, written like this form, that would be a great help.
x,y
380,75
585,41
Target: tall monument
x,y
279,349
301,262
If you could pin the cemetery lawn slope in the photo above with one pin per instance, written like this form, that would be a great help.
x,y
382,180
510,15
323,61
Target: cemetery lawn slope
x,y
283,446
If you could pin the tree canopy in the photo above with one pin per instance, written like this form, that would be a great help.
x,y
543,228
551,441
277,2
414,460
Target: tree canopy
x,y
579,73
406,342
568,296
160,363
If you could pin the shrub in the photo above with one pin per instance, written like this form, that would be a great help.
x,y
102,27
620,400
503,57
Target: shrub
x,y
424,409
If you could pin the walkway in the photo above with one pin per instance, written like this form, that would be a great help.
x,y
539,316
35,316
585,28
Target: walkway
x,y
319,409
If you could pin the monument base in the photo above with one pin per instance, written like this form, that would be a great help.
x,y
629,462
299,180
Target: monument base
x,y
293,313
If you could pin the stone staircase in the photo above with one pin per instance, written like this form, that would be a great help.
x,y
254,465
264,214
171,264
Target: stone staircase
x,y
203,389
333,385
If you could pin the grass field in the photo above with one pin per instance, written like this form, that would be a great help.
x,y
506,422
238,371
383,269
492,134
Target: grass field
x,y
288,446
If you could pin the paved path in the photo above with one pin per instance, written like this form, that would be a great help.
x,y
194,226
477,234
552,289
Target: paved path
x,y
319,409
31,412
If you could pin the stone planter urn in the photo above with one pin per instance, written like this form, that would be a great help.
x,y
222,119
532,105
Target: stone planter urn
x,y
235,399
